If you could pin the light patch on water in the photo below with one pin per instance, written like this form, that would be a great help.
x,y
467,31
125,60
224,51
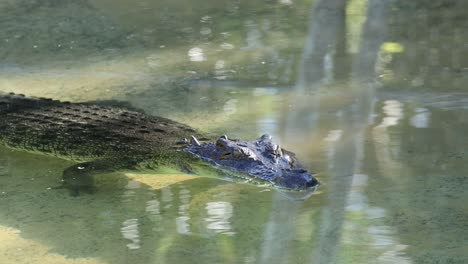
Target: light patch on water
x,y
219,215
230,107
227,46
417,81
133,185
386,149
359,180
130,231
130,190
328,68
220,70
154,60
333,135
182,224
196,54
356,202
286,2
395,255
205,19
152,207
392,47
219,65
205,31
166,195
264,91
375,212
253,35
421,118
393,110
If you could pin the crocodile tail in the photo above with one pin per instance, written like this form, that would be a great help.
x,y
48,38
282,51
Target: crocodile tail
x,y
11,102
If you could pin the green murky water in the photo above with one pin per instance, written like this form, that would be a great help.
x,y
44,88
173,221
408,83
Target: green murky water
x,y
372,95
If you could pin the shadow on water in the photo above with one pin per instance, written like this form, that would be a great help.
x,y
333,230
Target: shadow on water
x,y
372,98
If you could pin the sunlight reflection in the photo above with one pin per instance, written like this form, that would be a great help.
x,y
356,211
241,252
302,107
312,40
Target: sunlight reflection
x,y
219,215
196,54
328,68
130,231
253,35
182,220
220,71
130,190
421,118
393,110
152,207
286,2
333,135
166,197
384,146
227,46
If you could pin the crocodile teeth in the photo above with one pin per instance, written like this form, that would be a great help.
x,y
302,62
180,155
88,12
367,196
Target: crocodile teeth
x,y
194,141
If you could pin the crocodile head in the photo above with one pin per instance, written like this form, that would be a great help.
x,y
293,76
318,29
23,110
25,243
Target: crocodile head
x,y
260,161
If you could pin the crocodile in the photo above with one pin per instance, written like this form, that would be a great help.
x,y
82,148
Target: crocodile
x,y
104,137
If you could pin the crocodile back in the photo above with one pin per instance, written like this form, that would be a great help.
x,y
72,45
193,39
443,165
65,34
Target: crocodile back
x,y
83,131
10,102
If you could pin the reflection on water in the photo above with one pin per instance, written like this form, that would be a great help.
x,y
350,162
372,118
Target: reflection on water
x,y
369,94
129,231
219,214
183,219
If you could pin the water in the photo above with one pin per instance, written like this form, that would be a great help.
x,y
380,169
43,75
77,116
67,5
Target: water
x,y
371,96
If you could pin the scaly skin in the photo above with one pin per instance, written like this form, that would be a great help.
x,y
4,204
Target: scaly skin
x,y
107,138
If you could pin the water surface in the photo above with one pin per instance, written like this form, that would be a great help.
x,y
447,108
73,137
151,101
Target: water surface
x,y
371,95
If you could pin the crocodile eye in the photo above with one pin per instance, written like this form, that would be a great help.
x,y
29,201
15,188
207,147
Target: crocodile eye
x,y
221,143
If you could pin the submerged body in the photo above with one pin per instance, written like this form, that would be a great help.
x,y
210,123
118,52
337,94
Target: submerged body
x,y
107,138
